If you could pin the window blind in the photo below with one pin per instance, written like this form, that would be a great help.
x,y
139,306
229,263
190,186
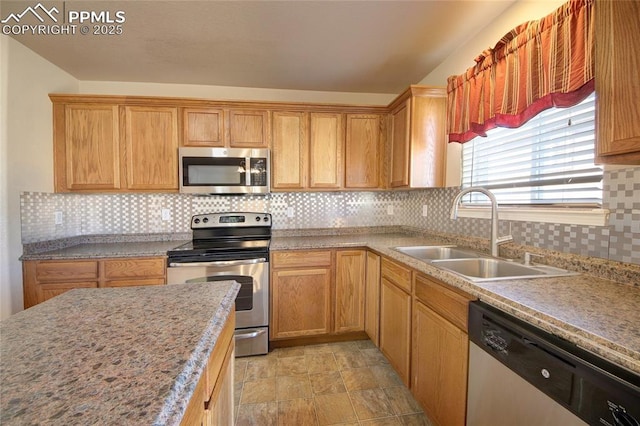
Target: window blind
x,y
547,161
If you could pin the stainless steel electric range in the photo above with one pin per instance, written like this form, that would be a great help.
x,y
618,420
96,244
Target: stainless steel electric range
x,y
231,246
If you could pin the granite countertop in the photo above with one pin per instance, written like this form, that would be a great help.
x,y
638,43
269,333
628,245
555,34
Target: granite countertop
x,y
104,248
597,314
111,355
597,310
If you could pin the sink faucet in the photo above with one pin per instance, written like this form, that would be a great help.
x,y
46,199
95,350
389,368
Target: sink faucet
x,y
495,241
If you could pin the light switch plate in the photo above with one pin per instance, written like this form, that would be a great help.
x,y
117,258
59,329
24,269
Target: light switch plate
x,y
289,211
166,214
58,218
425,210
390,209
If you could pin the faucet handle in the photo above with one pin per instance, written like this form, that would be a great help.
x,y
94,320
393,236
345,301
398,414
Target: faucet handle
x,y
528,256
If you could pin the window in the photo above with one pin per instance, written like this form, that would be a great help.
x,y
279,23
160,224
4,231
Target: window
x,y
547,161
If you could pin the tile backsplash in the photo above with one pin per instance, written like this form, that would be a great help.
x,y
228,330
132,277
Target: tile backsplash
x,y
89,214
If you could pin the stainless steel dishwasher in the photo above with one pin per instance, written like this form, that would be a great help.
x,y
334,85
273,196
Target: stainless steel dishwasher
x,y
521,375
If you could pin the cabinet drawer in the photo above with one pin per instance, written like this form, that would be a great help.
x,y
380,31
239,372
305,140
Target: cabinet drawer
x,y
450,304
398,275
66,271
132,268
300,259
134,282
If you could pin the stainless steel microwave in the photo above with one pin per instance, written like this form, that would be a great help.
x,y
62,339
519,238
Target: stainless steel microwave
x,y
224,170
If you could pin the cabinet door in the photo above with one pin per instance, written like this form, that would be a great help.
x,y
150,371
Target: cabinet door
x,y
325,151
202,127
301,302
87,150
395,327
439,370
289,150
350,281
220,409
372,298
151,147
428,145
617,33
134,268
400,139
248,129
363,151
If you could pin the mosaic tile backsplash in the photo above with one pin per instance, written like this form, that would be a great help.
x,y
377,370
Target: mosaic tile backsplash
x,y
83,214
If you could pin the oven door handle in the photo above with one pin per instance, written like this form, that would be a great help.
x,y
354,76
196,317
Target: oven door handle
x,y
250,335
221,263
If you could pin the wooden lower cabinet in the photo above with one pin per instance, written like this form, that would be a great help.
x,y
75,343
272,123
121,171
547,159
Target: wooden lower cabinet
x,y
219,410
301,304
44,279
440,353
212,400
350,290
395,327
372,298
301,284
317,293
440,350
395,316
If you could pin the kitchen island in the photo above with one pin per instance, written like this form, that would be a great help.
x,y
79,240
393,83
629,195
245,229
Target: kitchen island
x,y
120,356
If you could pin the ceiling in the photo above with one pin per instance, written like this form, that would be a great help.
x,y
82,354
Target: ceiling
x,y
347,46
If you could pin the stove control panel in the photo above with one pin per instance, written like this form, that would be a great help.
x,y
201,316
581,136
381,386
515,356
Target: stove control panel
x,y
230,220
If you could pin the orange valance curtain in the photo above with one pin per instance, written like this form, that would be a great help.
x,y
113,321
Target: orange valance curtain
x,y
537,65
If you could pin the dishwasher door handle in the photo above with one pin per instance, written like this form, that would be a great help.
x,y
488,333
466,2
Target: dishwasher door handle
x,y
219,263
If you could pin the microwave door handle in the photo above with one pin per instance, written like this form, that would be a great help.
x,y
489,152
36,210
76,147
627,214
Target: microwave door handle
x,y
247,179
220,263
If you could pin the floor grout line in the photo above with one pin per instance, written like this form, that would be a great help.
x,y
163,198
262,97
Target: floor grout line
x,y
357,349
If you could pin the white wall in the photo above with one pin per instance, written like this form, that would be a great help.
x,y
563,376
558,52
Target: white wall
x,y
26,149
463,58
232,93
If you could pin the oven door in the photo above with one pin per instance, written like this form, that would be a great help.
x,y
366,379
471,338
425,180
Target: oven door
x,y
252,302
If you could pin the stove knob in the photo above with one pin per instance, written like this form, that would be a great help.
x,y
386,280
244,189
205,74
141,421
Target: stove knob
x,y
205,220
257,218
266,218
196,220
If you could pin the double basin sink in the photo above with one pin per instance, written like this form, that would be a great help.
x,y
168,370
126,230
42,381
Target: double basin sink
x,y
478,267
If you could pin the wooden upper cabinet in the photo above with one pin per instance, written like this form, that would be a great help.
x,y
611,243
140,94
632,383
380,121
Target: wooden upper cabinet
x,y
399,162
151,147
363,151
617,36
326,144
86,147
248,128
418,138
289,150
203,127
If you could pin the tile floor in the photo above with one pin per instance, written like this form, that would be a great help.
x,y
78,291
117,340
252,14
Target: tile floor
x,y
347,383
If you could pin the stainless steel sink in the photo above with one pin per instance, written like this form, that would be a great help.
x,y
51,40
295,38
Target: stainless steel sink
x,y
430,253
491,269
